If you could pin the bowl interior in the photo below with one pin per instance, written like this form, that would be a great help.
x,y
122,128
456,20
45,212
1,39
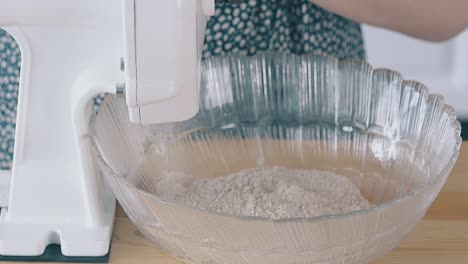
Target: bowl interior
x,y
390,137
208,154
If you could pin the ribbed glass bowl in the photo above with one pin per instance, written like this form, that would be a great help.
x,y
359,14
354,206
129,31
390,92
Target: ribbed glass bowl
x,y
393,139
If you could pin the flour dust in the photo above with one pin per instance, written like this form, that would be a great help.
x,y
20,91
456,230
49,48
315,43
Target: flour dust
x,y
275,193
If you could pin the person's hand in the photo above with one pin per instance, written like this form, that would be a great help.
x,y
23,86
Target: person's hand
x,y
432,20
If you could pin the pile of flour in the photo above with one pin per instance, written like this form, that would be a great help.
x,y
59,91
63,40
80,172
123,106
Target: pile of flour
x,y
266,192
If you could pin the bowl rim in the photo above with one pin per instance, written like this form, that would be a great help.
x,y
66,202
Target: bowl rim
x,y
454,125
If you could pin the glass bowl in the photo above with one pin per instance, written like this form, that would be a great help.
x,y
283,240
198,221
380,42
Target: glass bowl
x,y
390,137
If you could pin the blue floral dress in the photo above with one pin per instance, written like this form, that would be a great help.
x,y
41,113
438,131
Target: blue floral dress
x,y
296,26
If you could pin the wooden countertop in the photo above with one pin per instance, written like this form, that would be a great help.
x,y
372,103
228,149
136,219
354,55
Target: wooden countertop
x,y
441,237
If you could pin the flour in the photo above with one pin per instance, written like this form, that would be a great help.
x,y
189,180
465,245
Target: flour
x,y
267,192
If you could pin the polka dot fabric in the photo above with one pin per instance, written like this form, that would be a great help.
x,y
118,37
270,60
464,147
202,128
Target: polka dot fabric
x,y
10,59
295,26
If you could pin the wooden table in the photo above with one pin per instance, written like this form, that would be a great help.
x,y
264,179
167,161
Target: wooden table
x,y
442,237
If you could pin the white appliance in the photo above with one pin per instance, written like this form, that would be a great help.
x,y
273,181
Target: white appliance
x,y
71,52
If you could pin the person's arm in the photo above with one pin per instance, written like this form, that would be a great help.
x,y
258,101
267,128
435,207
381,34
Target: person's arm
x,y
434,20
